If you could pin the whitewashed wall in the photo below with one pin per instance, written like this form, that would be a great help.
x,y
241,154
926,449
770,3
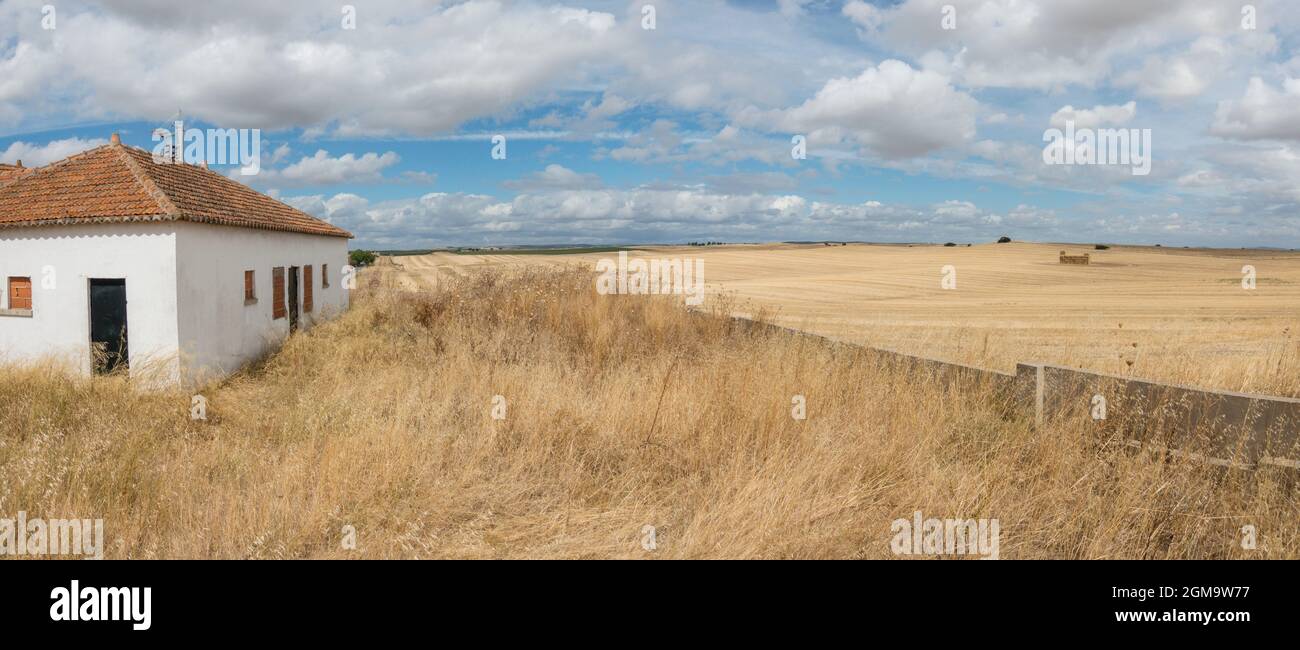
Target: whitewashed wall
x,y
142,253
218,333
185,293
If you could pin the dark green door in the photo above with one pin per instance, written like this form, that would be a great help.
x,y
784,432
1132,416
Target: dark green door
x,y
108,344
293,299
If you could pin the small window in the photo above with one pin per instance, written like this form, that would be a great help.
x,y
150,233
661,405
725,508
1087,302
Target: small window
x,y
324,276
20,293
250,287
306,288
277,293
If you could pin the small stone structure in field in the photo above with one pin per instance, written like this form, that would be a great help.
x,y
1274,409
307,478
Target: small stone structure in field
x,y
1074,259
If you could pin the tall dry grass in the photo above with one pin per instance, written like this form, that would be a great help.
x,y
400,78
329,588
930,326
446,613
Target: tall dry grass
x,y
621,412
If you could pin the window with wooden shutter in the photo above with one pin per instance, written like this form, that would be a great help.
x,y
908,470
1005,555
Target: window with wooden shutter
x,y
20,293
250,287
277,293
306,288
324,276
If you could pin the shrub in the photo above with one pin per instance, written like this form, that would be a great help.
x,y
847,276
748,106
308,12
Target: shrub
x,y
361,257
1004,239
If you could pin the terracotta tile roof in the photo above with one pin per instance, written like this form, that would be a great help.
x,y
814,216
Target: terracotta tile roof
x,y
11,171
118,183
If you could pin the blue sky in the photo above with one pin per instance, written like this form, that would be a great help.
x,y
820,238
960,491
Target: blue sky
x,y
924,120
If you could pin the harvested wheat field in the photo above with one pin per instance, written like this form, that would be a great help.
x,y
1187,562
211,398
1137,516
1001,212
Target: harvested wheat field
x,y
1170,315
616,414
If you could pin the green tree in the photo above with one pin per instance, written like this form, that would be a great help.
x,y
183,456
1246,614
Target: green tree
x,y
361,257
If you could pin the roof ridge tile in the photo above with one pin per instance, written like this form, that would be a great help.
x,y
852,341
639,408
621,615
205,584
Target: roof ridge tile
x,y
146,182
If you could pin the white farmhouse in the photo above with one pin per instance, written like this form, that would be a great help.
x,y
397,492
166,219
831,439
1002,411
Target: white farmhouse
x,y
110,260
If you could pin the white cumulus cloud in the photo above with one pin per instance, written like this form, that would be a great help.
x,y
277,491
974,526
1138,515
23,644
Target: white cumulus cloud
x,y
1086,118
34,155
892,109
1263,112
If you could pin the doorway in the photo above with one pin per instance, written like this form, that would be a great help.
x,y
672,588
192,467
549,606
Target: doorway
x,y
108,340
293,299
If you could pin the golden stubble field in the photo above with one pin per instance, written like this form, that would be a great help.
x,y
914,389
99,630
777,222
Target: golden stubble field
x,y
1177,315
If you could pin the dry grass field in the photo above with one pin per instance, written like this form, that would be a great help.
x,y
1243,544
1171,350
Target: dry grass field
x,y
621,412
1172,315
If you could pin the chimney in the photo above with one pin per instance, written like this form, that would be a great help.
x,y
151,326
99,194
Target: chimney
x,y
19,165
115,139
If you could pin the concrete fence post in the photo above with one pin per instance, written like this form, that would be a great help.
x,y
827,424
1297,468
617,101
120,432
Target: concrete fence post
x,y
1030,381
1038,395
